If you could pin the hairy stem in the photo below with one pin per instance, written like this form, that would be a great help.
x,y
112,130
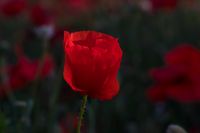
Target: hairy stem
x,y
82,111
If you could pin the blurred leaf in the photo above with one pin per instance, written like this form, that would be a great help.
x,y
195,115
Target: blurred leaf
x,y
2,123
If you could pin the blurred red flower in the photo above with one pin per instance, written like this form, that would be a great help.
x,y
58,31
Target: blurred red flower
x,y
79,5
164,4
12,8
179,80
22,73
40,15
69,124
91,64
194,129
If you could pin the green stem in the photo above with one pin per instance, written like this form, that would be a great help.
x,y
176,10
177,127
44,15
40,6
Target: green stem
x,y
53,102
36,85
82,111
5,81
8,91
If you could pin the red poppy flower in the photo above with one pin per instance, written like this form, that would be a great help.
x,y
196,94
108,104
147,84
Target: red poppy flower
x,y
179,80
91,64
12,7
40,16
22,73
163,4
